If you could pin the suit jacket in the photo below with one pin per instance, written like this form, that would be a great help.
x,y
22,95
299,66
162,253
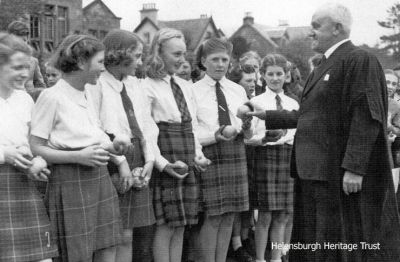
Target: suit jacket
x,y
341,125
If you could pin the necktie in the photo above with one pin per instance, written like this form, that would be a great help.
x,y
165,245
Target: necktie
x,y
130,113
180,101
322,61
223,113
278,103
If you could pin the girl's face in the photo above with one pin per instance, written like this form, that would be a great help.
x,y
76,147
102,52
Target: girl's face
x,y
184,71
15,72
275,78
136,56
248,82
216,65
391,83
93,68
173,54
52,75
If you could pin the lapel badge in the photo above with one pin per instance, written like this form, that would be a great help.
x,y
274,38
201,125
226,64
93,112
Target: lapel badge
x,y
326,78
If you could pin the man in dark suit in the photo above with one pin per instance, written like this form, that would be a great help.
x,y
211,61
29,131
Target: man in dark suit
x,y
344,193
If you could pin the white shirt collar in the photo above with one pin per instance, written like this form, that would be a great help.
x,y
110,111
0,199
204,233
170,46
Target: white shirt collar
x,y
113,82
269,92
209,81
332,49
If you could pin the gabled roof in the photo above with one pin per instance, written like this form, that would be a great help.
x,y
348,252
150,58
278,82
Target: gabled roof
x,y
143,22
195,28
100,2
262,30
275,33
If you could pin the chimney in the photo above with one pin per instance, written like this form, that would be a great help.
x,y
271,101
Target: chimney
x,y
282,22
248,18
203,16
150,11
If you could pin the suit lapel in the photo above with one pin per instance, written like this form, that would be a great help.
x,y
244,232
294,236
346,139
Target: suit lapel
x,y
320,71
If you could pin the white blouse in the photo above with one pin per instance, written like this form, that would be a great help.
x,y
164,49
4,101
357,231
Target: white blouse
x,y
66,118
207,107
15,115
267,101
164,109
106,97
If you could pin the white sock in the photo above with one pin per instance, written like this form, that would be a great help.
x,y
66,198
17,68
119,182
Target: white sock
x,y
276,260
236,242
260,260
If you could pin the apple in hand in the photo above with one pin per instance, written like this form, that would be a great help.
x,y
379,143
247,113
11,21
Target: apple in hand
x,y
138,180
242,111
181,168
38,164
229,132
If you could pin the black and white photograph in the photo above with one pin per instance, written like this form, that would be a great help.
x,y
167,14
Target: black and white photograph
x,y
199,131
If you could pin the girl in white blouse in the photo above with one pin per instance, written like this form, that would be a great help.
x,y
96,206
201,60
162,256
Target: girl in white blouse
x,y
24,224
177,151
121,104
224,185
83,203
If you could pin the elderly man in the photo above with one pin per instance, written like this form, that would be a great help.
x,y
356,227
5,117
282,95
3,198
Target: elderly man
x,y
344,194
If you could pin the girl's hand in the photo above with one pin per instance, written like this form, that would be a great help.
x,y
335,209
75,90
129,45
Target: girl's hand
x,y
93,156
201,163
146,173
38,171
16,157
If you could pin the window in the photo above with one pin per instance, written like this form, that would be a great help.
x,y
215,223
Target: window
x,y
147,37
102,34
49,28
34,27
93,32
62,22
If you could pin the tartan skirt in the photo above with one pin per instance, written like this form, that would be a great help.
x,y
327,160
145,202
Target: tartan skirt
x,y
176,201
24,224
273,186
136,205
84,211
224,185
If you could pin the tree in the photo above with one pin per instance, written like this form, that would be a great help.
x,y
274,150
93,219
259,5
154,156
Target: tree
x,y
298,51
392,42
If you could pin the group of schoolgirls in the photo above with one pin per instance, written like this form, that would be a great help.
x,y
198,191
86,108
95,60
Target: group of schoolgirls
x,y
95,137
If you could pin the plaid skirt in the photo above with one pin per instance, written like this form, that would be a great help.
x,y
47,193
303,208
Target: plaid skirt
x,y
176,201
136,205
24,224
84,211
273,186
224,185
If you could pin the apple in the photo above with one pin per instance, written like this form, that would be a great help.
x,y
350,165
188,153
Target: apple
x,y
181,168
203,162
121,141
229,132
38,164
242,111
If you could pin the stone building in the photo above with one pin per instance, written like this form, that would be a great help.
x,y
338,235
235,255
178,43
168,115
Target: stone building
x,y
51,20
99,19
266,39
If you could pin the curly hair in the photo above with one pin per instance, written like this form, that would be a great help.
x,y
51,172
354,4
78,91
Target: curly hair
x,y
155,67
75,49
236,74
118,47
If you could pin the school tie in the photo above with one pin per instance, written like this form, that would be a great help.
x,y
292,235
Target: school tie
x,y
223,113
130,113
180,101
278,103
